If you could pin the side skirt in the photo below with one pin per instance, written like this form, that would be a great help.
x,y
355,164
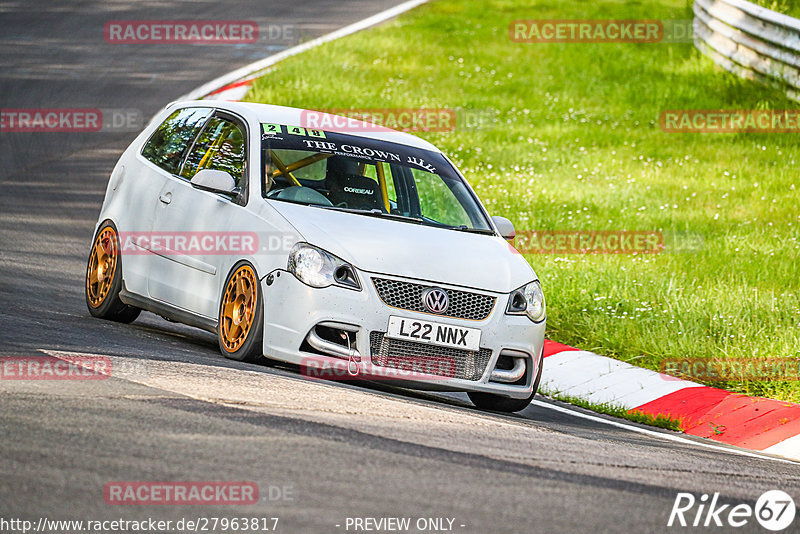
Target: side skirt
x,y
168,311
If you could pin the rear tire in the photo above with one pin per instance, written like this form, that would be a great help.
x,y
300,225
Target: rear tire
x,y
104,278
496,403
240,330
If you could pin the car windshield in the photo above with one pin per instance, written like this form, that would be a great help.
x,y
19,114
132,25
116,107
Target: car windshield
x,y
366,176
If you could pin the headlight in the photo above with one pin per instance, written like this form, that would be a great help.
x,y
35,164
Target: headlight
x,y
317,268
529,299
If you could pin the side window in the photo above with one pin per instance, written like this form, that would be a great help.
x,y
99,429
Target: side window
x,y
220,146
167,146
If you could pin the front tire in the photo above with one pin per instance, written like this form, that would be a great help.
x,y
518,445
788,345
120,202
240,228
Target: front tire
x,y
496,403
241,316
104,278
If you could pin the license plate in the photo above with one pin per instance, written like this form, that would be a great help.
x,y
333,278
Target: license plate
x,y
443,335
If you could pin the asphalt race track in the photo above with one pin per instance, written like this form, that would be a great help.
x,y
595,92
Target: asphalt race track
x,y
320,452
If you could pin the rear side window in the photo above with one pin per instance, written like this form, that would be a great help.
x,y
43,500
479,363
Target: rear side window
x,y
167,146
220,146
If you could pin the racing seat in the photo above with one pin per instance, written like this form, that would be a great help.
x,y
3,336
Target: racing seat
x,y
348,189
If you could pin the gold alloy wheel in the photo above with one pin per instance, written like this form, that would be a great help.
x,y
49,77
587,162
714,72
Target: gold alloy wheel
x,y
102,266
238,308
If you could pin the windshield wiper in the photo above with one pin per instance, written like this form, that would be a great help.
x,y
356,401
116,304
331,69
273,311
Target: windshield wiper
x,y
376,213
464,228
406,218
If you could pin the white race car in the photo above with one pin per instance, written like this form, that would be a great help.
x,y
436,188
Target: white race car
x,y
357,253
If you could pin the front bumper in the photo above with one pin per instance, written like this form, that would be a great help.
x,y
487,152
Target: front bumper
x,y
292,310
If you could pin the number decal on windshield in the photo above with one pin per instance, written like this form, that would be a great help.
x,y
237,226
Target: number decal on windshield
x,y
268,128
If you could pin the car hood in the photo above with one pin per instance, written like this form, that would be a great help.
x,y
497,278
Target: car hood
x,y
410,250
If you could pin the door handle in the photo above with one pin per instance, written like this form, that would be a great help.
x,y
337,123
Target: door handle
x,y
166,198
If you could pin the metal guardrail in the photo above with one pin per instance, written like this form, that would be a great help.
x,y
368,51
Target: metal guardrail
x,y
751,41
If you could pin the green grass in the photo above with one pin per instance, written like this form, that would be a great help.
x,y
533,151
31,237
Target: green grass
x,y
787,7
660,421
574,143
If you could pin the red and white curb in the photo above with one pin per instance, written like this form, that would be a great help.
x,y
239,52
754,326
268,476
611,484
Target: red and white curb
x,y
754,423
749,422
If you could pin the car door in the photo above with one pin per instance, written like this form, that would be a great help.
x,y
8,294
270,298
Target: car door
x,y
147,171
202,233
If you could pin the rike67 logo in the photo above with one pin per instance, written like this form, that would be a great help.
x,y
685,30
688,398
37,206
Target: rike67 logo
x,y
774,510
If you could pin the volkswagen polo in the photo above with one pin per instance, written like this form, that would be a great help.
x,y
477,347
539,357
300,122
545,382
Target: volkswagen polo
x,y
355,248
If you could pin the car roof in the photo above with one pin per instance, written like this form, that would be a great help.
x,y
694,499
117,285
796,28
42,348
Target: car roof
x,y
269,113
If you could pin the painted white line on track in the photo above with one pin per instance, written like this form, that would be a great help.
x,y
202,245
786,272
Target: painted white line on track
x,y
661,435
254,68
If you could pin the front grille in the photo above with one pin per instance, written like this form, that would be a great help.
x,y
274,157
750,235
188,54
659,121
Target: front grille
x,y
428,359
408,296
